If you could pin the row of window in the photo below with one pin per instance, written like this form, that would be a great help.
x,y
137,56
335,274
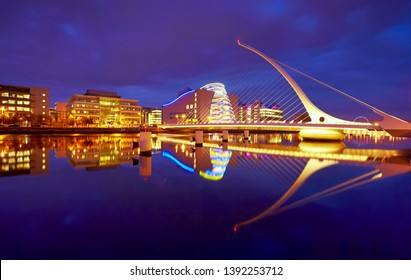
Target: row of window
x,y
20,109
14,95
18,102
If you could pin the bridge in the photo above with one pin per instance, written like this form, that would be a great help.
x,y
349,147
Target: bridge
x,y
288,167
313,122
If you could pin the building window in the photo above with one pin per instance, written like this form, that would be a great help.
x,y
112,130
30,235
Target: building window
x,y
43,107
44,100
44,94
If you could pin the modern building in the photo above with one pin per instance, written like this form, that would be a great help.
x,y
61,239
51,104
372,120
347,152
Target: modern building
x,y
19,102
151,116
259,112
209,104
104,108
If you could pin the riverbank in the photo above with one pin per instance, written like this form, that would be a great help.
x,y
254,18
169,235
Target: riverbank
x,y
69,130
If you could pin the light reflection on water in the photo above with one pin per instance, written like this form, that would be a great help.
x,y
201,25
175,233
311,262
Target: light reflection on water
x,y
245,199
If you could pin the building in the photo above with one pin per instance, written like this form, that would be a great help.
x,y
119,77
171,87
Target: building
x,y
209,104
19,104
103,108
151,116
61,113
259,112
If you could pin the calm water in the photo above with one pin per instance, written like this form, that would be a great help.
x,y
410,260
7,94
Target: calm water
x,y
81,197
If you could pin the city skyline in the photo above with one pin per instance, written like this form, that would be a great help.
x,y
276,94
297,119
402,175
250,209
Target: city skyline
x,y
150,51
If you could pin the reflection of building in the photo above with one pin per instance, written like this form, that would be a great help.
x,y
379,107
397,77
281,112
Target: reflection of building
x,y
209,163
105,108
259,112
22,157
151,116
99,152
16,100
209,104
219,160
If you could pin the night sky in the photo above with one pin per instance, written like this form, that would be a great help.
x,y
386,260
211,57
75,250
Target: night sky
x,y
150,50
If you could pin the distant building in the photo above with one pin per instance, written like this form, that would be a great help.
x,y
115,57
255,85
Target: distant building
x,y
104,108
19,102
209,104
61,111
259,112
151,116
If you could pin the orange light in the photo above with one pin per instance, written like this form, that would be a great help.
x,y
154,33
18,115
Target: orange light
x,y
235,229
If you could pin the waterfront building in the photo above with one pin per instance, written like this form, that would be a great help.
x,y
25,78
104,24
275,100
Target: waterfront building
x,y
19,103
104,108
209,104
61,112
259,112
151,116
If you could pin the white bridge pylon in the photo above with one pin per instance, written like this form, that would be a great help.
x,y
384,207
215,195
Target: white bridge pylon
x,y
318,116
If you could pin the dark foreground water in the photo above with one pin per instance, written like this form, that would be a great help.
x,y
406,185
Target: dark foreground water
x,y
81,197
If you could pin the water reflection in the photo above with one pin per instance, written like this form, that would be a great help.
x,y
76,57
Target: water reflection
x,y
198,195
25,155
288,167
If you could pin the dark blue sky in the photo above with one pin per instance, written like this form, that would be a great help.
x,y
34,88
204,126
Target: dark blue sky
x,y
149,50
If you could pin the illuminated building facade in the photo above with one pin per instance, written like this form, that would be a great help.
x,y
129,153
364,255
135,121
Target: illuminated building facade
x,y
209,104
151,116
104,108
221,110
259,113
22,101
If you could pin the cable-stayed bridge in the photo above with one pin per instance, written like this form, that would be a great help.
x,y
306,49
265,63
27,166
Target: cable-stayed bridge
x,y
298,113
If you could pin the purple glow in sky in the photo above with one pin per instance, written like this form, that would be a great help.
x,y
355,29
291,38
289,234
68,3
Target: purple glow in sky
x,y
150,50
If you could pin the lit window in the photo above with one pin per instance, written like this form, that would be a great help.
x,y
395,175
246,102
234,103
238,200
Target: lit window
x,y
44,94
191,106
43,106
43,113
44,100
187,106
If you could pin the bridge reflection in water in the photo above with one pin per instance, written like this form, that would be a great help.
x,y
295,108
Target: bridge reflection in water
x,y
288,167
281,164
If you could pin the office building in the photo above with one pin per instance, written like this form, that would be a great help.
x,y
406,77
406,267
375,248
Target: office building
x,y
18,103
258,112
151,116
104,108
